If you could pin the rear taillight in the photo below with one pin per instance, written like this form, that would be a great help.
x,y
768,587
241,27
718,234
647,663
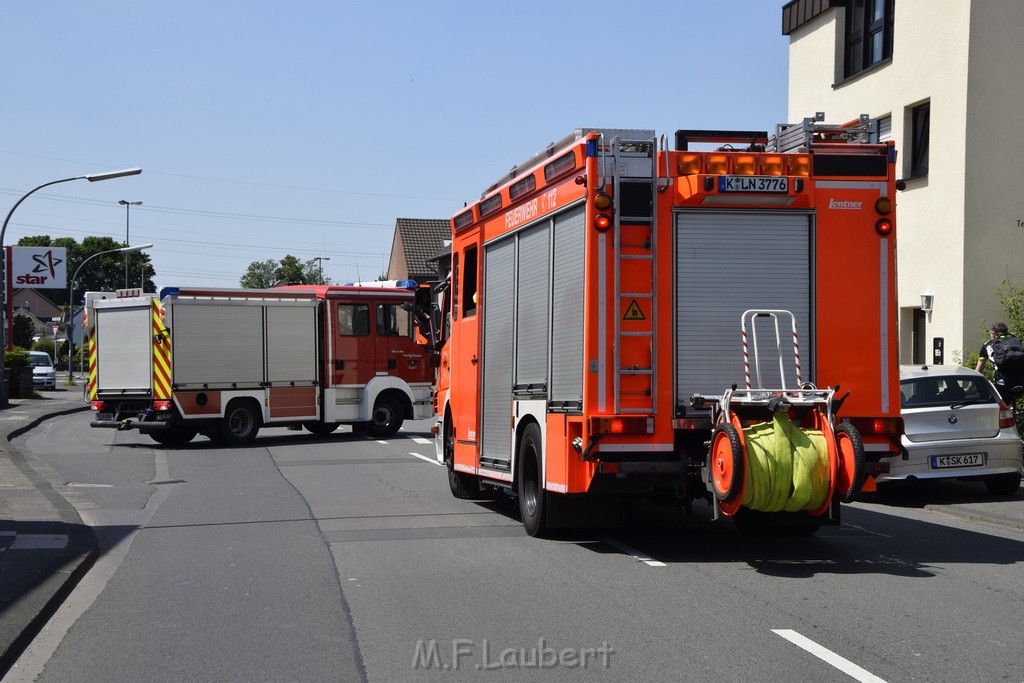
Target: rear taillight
x,y
97,406
879,426
1005,416
161,405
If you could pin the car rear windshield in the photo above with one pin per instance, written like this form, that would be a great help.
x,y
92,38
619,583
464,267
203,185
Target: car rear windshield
x,y
943,391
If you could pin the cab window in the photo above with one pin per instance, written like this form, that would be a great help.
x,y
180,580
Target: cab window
x,y
353,320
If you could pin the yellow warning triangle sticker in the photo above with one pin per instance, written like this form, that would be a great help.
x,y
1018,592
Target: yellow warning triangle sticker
x,y
634,312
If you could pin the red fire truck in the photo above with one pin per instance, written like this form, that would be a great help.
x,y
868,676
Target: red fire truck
x,y
224,362
628,318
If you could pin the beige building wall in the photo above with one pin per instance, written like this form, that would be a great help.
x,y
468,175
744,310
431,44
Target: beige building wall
x,y
957,227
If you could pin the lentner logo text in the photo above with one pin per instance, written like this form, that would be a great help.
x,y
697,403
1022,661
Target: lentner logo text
x,y
843,204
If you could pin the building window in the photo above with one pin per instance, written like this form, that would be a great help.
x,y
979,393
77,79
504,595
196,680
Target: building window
x,y
920,124
884,128
869,26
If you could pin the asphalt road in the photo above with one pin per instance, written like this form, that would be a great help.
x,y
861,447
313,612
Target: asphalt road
x,y
343,558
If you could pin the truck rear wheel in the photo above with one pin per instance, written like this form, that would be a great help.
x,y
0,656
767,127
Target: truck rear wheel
x,y
386,418
320,428
533,499
240,425
174,436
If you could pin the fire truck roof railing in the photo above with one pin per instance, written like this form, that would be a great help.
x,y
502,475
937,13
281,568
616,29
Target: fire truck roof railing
x,y
798,137
624,134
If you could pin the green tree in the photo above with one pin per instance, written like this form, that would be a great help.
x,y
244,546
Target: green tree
x,y
288,271
1011,298
291,271
45,345
260,275
24,330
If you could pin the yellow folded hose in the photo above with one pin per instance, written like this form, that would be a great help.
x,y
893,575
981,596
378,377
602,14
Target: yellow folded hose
x,y
786,468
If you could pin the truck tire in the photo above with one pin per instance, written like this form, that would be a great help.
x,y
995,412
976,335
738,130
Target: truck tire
x,y
174,436
462,485
240,425
533,499
320,428
386,418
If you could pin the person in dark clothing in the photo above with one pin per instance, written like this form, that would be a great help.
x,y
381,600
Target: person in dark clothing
x,y
1005,378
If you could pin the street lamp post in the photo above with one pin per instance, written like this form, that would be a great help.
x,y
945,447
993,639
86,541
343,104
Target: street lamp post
x,y
92,178
71,297
321,259
127,207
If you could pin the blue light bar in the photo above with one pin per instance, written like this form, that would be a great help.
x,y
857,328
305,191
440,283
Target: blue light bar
x,y
397,284
591,148
169,291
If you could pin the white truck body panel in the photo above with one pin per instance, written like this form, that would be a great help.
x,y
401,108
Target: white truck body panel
x,y
242,342
124,346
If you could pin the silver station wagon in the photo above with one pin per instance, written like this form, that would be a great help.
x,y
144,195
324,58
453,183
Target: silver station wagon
x,y
956,428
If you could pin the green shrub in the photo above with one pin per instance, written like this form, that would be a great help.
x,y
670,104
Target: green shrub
x,y
14,361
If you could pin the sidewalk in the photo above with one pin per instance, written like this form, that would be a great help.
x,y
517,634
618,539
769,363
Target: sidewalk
x,y
44,546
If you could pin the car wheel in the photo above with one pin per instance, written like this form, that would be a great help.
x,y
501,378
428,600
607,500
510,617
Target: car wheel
x,y
1003,484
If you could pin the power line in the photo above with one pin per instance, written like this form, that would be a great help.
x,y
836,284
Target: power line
x,y
207,214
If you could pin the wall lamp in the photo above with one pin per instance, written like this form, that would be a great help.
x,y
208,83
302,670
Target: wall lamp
x,y
927,300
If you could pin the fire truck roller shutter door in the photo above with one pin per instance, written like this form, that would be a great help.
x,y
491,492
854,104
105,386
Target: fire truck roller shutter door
x,y
566,385
730,262
498,312
532,311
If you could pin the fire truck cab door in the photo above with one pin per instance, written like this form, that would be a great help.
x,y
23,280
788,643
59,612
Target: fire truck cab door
x,y
354,359
398,354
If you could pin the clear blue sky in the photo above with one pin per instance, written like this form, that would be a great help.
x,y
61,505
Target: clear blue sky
x,y
307,128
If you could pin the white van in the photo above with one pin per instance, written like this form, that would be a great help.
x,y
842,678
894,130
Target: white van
x,y
44,376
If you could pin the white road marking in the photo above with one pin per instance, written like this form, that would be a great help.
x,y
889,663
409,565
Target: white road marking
x,y
432,461
88,486
634,553
823,653
420,440
32,661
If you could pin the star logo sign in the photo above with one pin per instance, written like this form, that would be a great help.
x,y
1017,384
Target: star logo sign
x,y
46,262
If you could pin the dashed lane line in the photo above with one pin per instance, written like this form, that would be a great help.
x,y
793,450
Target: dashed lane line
x,y
633,552
432,461
821,652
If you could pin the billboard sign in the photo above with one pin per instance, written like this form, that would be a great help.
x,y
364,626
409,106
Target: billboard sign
x,y
38,267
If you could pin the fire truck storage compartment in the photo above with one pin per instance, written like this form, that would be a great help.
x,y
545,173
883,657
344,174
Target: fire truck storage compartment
x,y
499,299
728,263
565,391
542,313
242,344
124,346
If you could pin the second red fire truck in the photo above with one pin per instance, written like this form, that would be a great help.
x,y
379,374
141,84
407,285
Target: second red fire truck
x,y
225,362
